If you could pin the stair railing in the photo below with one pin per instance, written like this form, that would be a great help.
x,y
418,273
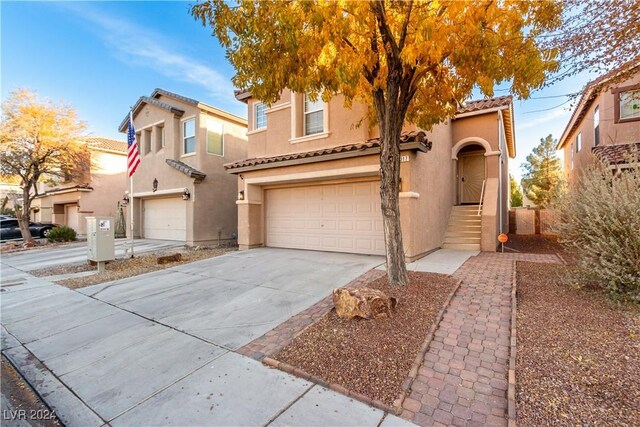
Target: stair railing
x,y
481,198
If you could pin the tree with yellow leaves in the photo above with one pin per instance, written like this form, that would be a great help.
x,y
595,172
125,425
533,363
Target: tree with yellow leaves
x,y
410,61
39,140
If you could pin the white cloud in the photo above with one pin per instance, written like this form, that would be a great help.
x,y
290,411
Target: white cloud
x,y
141,46
548,116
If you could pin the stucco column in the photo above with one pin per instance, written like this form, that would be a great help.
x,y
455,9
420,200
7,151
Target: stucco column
x,y
250,218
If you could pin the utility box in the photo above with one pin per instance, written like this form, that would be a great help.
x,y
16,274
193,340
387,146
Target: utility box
x,y
100,240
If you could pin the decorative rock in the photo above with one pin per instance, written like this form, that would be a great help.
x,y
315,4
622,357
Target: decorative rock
x,y
169,258
362,302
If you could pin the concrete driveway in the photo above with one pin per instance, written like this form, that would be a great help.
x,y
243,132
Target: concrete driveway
x,y
158,349
35,259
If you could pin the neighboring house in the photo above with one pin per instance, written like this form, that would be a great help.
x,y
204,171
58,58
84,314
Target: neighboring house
x,y
180,190
311,179
607,115
11,192
97,192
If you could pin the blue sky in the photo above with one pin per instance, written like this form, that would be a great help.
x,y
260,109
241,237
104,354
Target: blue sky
x,y
100,57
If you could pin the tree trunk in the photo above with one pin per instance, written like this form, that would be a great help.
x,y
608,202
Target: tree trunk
x,y
23,218
390,121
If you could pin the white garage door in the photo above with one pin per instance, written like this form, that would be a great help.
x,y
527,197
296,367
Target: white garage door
x,y
165,219
336,218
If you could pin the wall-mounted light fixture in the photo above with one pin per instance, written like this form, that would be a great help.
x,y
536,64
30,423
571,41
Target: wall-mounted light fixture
x,y
154,184
240,195
186,195
125,198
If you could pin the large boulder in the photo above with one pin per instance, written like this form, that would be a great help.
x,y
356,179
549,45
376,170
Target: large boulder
x,y
362,302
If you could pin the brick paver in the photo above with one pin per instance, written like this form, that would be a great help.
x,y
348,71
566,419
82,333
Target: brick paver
x,y
463,378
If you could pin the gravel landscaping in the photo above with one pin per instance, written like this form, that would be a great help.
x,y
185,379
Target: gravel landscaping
x,y
372,357
128,267
21,397
533,244
578,355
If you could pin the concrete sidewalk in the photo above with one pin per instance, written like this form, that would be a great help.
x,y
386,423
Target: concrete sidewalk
x,y
442,261
95,362
35,259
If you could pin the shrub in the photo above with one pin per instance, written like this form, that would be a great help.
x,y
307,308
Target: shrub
x,y
62,234
600,224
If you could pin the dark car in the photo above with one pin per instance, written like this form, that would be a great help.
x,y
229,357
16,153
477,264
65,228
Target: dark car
x,y
9,229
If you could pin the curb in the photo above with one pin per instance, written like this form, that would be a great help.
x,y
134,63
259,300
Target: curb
x,y
413,372
511,391
268,361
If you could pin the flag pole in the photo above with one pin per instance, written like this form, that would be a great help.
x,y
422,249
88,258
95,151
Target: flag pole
x,y
131,207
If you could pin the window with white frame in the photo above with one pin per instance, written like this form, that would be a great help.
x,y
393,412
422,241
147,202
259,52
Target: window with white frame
x,y
215,138
579,142
596,126
571,156
260,116
189,136
313,116
630,104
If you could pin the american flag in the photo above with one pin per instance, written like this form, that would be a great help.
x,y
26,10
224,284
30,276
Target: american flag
x,y
133,158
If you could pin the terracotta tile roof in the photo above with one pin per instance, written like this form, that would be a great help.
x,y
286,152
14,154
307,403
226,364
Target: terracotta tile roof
x,y
72,187
417,139
106,144
152,101
186,169
617,154
159,91
485,104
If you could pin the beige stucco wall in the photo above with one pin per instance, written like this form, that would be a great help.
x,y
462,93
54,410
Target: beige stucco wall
x,y
342,127
433,179
610,132
429,180
211,210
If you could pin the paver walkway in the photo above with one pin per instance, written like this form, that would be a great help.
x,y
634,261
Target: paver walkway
x,y
463,379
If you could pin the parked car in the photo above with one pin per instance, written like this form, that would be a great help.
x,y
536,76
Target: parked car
x,y
10,230
6,217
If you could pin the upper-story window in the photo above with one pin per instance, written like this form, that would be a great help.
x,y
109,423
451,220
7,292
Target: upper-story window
x,y
596,126
215,138
189,136
571,156
159,132
260,116
579,142
146,135
630,104
313,116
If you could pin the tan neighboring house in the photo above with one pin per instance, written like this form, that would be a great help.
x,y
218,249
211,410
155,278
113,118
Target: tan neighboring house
x,y
311,178
180,189
96,193
606,123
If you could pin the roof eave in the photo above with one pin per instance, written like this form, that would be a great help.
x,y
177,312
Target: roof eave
x,y
416,146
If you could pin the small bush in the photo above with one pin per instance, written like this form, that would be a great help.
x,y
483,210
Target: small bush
x,y
62,234
600,224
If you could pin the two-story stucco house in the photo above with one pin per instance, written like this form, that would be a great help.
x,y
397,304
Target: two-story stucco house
x,y
94,192
180,189
606,123
311,178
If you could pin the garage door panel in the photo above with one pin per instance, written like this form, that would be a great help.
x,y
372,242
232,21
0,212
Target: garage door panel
x,y
342,218
165,219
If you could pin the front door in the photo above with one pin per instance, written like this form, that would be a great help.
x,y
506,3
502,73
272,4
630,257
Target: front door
x,y
472,176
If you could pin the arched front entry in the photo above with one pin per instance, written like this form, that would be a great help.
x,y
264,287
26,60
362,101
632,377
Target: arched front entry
x,y
471,169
